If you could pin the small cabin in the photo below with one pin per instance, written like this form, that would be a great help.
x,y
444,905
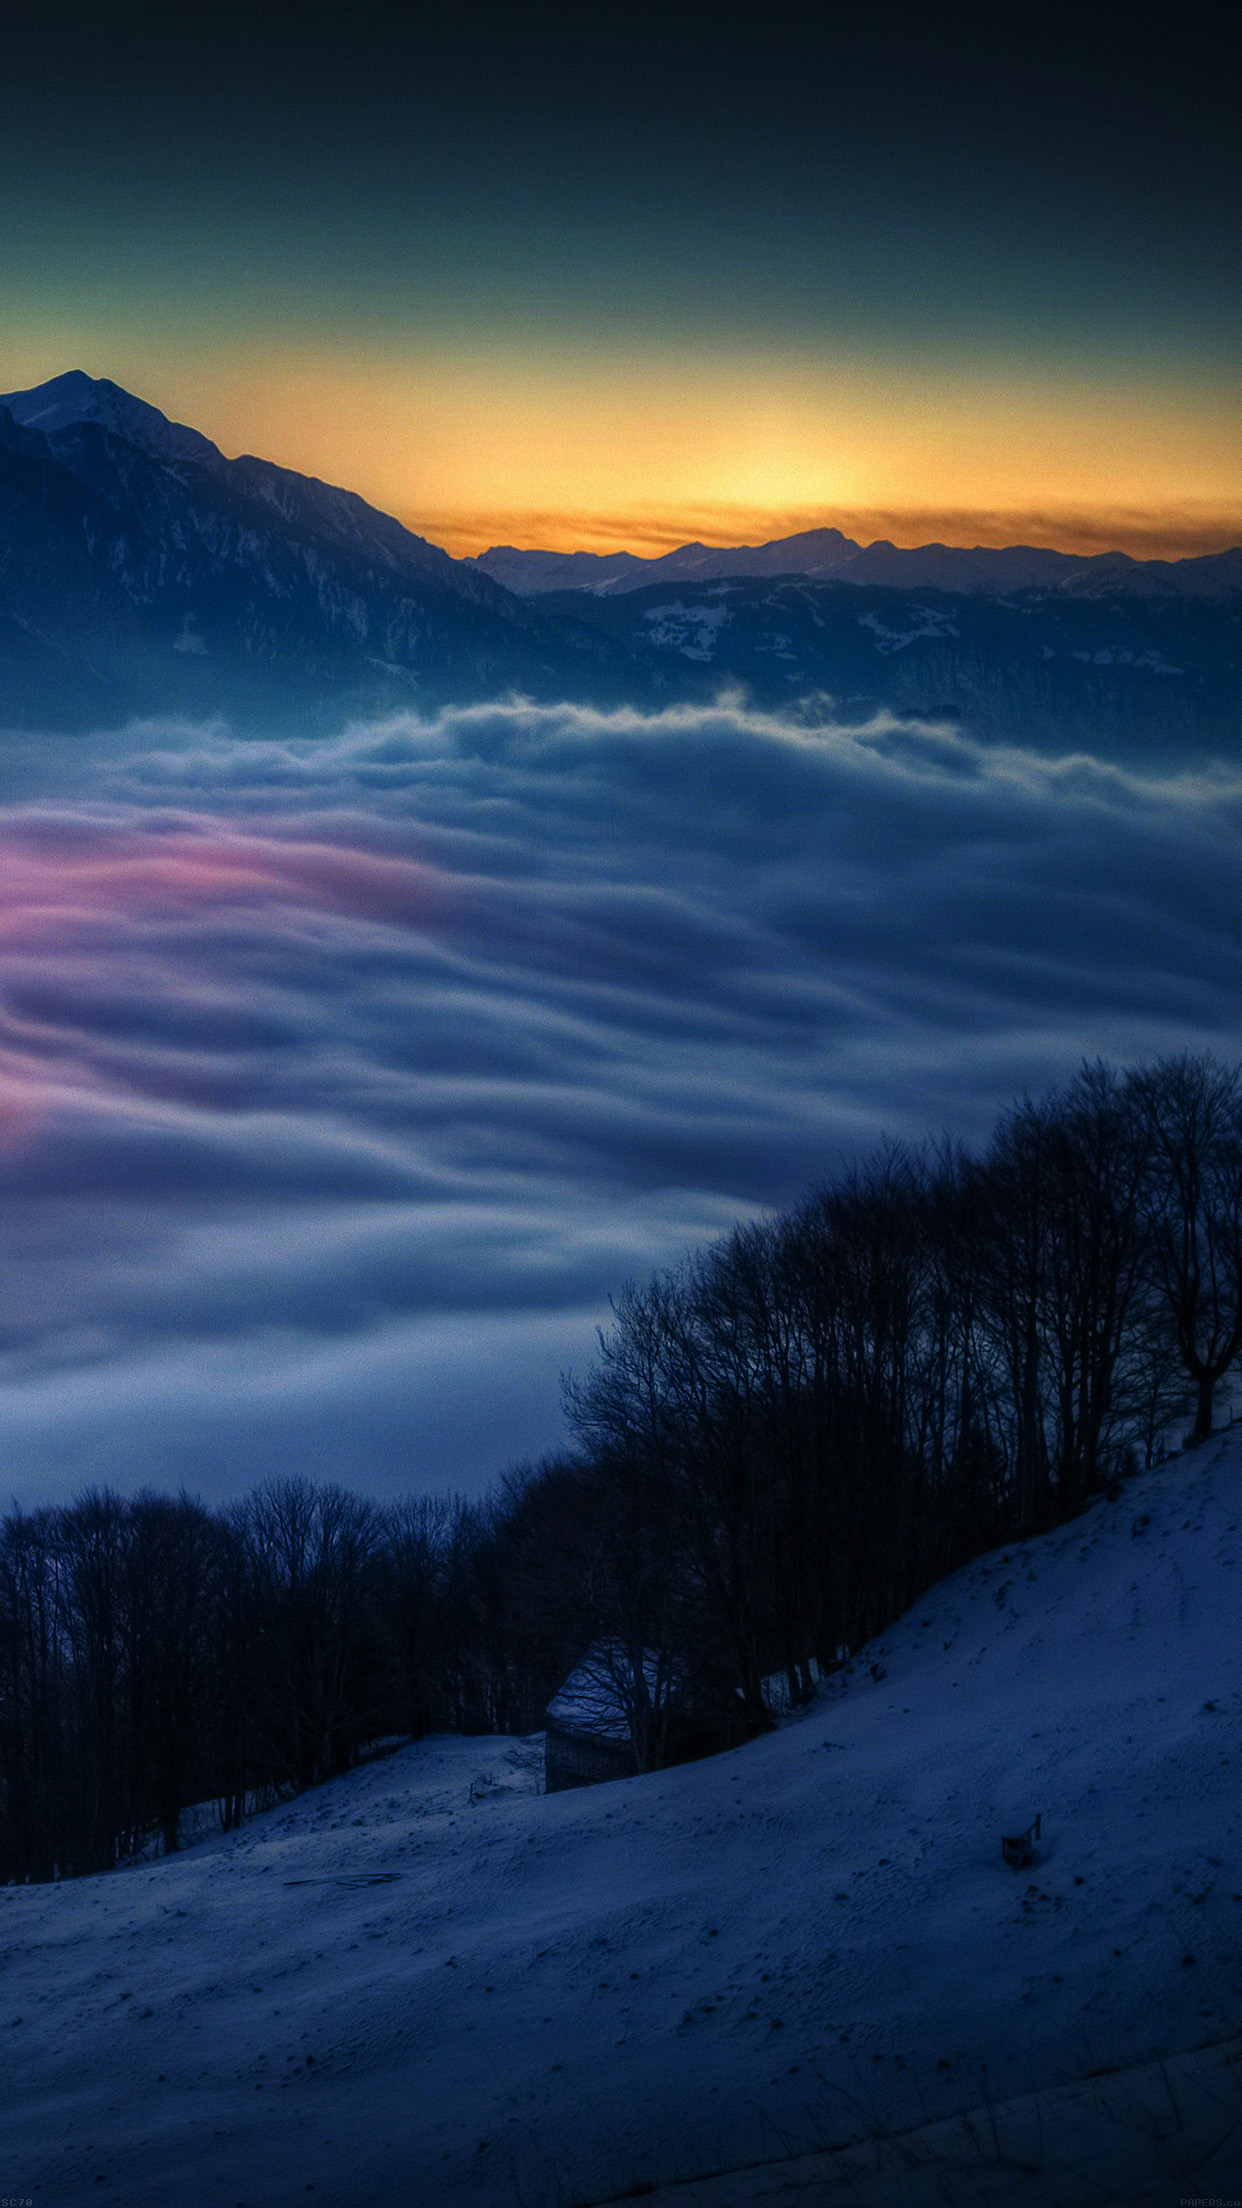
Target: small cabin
x,y
619,1713
593,1721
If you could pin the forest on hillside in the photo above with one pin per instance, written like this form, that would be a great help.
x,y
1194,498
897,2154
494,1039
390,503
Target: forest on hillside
x,y
779,1447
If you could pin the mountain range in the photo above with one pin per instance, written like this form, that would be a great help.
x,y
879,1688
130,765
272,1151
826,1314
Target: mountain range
x,y
142,572
822,555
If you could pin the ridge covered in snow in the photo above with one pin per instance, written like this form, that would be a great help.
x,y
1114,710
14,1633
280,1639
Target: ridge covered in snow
x,y
143,571
64,401
827,554
427,1982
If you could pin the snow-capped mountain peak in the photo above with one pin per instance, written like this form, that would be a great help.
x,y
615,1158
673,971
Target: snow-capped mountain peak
x,y
66,401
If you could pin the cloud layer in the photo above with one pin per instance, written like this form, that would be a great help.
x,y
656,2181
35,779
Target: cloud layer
x,y
341,1081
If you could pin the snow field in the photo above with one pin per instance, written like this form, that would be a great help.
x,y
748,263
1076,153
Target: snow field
x,y
428,1983
1156,2133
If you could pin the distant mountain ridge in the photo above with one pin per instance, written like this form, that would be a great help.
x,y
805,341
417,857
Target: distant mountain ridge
x,y
827,554
144,573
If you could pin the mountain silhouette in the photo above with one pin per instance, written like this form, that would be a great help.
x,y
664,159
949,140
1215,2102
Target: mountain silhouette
x,y
142,572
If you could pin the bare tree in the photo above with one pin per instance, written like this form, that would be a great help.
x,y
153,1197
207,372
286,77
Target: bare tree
x,y
311,1550
36,1772
1192,1110
1097,1147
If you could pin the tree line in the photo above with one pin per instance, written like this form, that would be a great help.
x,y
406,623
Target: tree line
x,y
778,1447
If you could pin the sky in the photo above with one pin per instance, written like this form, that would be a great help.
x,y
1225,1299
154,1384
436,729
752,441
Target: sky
x,y
961,274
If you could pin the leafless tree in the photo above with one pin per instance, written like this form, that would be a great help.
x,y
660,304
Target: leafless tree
x,y
310,1552
1192,1111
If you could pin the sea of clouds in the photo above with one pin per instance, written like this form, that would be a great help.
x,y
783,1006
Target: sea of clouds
x,y
341,1081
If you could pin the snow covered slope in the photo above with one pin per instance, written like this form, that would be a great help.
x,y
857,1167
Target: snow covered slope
x,y
428,1983
65,401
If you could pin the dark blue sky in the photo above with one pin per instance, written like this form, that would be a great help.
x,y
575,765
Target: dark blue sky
x,y
683,263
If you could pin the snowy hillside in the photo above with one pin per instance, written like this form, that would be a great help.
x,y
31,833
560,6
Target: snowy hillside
x,y
428,1983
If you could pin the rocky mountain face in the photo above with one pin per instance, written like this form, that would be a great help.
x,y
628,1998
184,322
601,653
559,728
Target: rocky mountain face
x,y
1120,675
142,572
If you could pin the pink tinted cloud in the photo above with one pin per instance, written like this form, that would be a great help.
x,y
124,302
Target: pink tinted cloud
x,y
55,873
76,893
17,1107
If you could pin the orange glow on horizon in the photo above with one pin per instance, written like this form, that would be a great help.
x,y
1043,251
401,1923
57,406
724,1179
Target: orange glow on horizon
x,y
579,448
1172,535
